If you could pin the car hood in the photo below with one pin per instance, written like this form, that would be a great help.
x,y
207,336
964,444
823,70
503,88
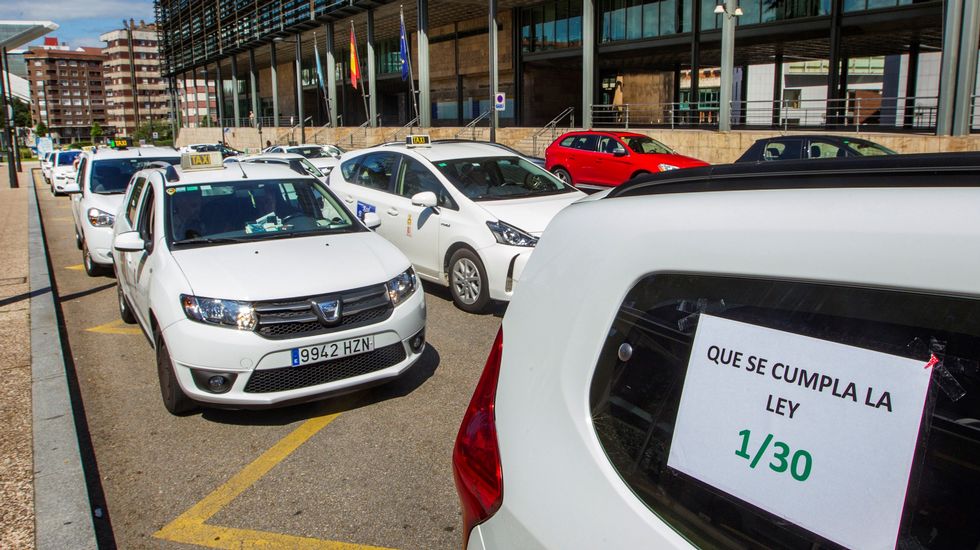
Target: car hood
x,y
530,214
290,268
105,203
67,170
679,161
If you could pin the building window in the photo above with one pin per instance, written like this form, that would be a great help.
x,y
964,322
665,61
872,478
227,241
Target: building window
x,y
791,99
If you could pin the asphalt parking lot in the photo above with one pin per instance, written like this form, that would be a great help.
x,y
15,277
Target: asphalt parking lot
x,y
371,468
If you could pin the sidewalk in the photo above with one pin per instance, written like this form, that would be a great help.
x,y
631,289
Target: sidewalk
x,y
16,454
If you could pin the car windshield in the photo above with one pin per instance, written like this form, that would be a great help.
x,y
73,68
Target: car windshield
x,y
643,144
65,159
497,178
867,148
245,211
314,152
111,176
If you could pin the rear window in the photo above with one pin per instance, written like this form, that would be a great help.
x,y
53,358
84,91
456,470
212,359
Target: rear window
x,y
66,159
111,176
645,380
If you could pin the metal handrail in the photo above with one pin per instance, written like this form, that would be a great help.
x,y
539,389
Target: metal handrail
x,y
552,126
471,125
411,124
349,139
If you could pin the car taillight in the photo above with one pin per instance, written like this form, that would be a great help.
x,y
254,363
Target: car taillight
x,y
476,457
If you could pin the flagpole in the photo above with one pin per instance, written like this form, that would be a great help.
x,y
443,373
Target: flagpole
x,y
323,85
360,75
408,61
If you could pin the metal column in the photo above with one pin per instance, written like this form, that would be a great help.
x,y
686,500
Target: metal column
x,y
372,73
966,80
425,87
207,95
494,73
331,70
777,90
187,103
253,85
275,83
11,149
947,71
298,73
911,83
727,66
10,97
219,89
833,72
588,60
694,98
235,100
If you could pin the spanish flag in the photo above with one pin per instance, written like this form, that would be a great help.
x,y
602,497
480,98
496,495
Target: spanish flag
x,y
355,66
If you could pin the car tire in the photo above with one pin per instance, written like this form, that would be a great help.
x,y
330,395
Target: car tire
x,y
174,399
468,281
125,311
92,269
563,175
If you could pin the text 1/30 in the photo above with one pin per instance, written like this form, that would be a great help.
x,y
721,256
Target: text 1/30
x,y
799,465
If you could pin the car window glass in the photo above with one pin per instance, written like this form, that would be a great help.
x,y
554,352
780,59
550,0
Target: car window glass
x,y
146,217
415,178
609,145
867,148
111,176
497,178
789,149
253,210
635,400
348,169
820,149
375,169
80,176
567,142
586,142
67,158
646,145
134,198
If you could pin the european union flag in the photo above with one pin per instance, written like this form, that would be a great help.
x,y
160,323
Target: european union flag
x,y
403,51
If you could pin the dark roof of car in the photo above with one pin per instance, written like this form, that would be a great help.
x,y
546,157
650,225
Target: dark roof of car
x,y
920,170
813,136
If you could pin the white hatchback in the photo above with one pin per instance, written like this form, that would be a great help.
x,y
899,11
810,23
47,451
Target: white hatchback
x,y
256,287
752,357
324,157
103,175
467,214
62,172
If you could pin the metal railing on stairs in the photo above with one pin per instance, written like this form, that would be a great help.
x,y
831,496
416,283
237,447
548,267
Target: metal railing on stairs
x,y
471,125
397,135
550,130
349,140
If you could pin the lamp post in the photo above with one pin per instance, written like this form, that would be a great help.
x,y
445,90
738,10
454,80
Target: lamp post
x,y
729,11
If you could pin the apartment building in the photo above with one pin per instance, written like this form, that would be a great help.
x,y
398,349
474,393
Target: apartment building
x,y
135,92
67,89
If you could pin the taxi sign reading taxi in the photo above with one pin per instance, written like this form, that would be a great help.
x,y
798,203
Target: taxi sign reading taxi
x,y
119,143
418,140
819,433
499,101
201,161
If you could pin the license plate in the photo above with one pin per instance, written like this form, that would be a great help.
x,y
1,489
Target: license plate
x,y
332,350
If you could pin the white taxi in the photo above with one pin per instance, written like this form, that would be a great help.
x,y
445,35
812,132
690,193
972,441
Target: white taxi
x,y
282,158
257,288
46,159
324,157
467,214
62,172
103,175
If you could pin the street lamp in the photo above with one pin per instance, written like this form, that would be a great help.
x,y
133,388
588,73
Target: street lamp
x,y
729,10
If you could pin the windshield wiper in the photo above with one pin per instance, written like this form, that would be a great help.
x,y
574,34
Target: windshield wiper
x,y
213,240
109,192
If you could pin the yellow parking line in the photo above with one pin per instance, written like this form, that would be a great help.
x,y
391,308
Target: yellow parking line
x,y
115,327
76,267
190,527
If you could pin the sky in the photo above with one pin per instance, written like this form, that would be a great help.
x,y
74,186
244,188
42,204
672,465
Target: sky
x,y
81,21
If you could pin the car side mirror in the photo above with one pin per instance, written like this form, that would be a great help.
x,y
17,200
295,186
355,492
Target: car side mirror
x,y
129,241
619,152
372,220
425,199
73,189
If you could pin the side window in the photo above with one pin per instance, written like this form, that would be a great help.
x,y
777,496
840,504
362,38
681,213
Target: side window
x,y
348,168
414,177
147,216
609,145
645,369
567,142
134,198
375,169
586,142
820,149
788,149
80,178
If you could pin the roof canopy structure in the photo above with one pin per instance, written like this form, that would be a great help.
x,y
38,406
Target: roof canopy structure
x,y
14,34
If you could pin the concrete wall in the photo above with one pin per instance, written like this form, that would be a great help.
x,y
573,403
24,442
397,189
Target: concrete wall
x,y
713,147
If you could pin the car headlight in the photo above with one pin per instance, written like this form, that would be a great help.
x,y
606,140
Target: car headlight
x,y
508,234
100,218
666,167
60,176
227,313
402,286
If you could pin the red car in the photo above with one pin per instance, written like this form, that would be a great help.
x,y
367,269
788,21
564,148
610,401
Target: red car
x,y
608,159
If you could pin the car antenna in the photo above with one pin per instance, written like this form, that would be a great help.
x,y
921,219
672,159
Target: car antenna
x,y
242,168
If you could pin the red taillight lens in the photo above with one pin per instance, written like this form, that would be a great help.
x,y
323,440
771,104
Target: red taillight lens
x,y
476,457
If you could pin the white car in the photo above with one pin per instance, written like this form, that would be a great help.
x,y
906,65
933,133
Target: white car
x,y
281,158
103,175
740,357
324,157
258,288
46,165
62,172
466,214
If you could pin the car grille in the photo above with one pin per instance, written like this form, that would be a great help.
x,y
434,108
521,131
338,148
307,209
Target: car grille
x,y
291,378
294,318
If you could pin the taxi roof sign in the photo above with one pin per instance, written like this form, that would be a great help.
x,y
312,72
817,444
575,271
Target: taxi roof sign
x,y
418,140
118,142
210,160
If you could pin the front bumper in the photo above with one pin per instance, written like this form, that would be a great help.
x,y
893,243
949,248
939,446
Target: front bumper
x,y
209,350
504,265
99,242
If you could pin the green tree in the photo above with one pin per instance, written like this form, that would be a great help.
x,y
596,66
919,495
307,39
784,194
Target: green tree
x,y
96,131
22,113
145,130
41,129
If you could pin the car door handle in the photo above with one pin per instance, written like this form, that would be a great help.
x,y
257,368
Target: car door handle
x,y
392,211
349,200
444,224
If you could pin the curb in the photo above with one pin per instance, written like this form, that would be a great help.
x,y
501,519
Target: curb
x,y
63,515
